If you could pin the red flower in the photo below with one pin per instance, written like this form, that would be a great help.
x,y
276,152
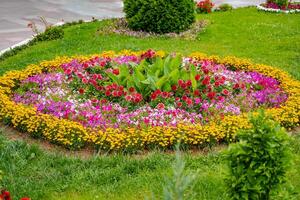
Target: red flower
x,y
225,92
85,81
95,76
121,88
179,104
25,198
165,95
189,101
85,65
184,98
157,92
116,71
128,98
148,54
102,63
196,93
107,93
103,101
206,80
115,93
243,85
205,70
174,87
131,89
211,95
94,83
180,82
120,93
197,77
94,101
138,98
217,83
114,86
177,99
153,96
5,195
188,83
223,79
160,106
183,85
236,86
68,71
81,91
221,98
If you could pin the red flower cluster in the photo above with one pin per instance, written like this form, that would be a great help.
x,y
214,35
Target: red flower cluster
x,y
158,93
5,195
148,54
134,98
116,71
114,90
204,6
184,84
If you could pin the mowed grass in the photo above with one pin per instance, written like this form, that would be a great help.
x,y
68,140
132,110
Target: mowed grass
x,y
29,171
266,38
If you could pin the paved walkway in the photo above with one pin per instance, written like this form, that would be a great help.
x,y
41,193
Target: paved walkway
x,y
15,14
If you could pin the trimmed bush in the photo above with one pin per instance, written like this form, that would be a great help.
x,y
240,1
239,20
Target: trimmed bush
x,y
258,163
225,7
159,16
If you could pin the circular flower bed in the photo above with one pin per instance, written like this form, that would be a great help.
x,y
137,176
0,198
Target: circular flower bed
x,y
272,6
138,100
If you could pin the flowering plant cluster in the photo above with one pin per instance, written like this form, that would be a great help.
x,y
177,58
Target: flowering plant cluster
x,y
140,99
280,6
205,6
5,195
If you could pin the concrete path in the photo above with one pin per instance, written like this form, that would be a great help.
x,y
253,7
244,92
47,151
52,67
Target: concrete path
x,y
16,14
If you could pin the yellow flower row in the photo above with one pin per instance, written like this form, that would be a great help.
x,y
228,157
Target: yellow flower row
x,y
74,135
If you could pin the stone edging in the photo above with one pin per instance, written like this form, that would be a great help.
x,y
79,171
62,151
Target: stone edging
x,y
262,8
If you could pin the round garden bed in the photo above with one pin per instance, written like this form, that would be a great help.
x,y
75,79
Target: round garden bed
x,y
272,6
140,100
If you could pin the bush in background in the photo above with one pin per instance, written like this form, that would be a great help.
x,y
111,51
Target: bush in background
x,y
53,33
225,7
159,16
258,163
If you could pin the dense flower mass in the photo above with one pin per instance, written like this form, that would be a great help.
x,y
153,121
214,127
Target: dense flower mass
x,y
141,99
204,6
280,6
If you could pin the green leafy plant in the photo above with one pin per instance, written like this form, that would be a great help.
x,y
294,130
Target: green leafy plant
x,y
159,16
159,74
52,33
179,185
225,7
258,163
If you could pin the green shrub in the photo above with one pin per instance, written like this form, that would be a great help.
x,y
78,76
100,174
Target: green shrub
x,y
159,16
52,33
225,7
258,163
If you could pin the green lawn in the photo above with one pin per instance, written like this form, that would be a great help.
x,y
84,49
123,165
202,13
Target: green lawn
x,y
32,172
266,38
